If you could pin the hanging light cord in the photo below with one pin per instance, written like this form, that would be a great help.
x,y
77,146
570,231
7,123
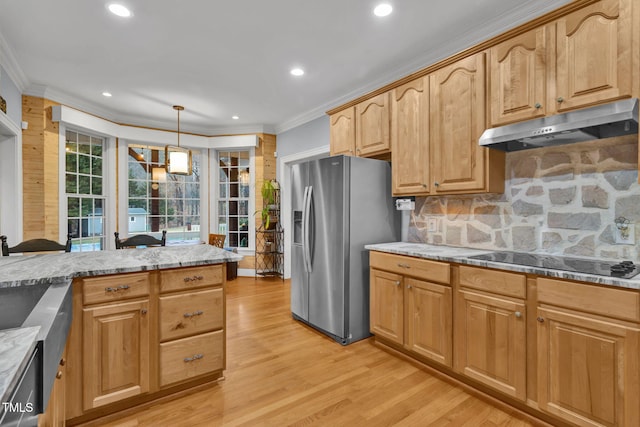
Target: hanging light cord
x,y
178,108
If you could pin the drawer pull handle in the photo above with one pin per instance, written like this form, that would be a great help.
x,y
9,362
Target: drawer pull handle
x,y
193,279
403,265
117,289
195,313
540,319
518,314
192,358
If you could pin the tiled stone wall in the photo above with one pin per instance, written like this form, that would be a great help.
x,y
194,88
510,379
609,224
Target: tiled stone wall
x,y
559,200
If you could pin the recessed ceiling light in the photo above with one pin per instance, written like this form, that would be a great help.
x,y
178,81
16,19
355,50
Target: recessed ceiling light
x,y
297,71
120,10
383,9
107,94
235,117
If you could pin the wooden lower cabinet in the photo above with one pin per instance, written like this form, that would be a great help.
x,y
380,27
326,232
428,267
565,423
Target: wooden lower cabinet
x,y
190,357
387,306
491,341
115,352
428,320
54,415
588,368
138,336
409,312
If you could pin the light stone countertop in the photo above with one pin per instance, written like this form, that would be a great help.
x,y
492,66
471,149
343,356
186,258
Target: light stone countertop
x,y
16,346
59,269
51,268
461,256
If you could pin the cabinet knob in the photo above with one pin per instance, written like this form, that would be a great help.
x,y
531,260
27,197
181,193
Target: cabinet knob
x,y
560,99
59,375
436,183
424,185
358,150
143,311
540,319
398,283
63,361
518,314
408,286
538,105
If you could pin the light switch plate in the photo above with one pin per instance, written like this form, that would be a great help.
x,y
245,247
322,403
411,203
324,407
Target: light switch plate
x,y
631,236
432,225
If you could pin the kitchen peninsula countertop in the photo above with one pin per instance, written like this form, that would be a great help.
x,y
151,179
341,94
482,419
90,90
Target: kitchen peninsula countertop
x,y
60,269
51,268
461,256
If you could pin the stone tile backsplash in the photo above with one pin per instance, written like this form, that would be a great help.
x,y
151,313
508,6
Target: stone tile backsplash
x,y
561,200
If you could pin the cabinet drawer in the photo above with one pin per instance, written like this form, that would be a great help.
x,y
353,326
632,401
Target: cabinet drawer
x,y
189,278
189,357
498,282
114,288
189,314
409,266
616,303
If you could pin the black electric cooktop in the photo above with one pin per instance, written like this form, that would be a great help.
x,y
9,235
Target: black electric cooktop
x,y
623,269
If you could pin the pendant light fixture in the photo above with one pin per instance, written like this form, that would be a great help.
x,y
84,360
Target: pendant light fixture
x,y
178,159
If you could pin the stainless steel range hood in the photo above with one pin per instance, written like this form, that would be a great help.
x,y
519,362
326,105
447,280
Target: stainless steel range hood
x,y
602,121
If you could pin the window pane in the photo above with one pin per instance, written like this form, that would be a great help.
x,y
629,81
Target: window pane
x,y
234,177
83,183
71,185
72,163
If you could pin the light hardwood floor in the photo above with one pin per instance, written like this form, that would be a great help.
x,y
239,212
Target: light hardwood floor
x,y
281,373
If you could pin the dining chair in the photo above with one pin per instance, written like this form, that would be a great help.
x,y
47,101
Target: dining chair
x,y
35,245
140,240
217,240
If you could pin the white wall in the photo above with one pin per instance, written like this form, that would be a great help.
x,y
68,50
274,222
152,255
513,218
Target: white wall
x,y
307,137
12,96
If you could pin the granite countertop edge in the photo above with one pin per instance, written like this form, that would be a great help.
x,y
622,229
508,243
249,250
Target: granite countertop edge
x,y
461,255
46,269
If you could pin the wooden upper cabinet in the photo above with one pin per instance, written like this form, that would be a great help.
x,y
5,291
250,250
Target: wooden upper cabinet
x,y
342,132
518,78
410,138
594,52
372,129
457,121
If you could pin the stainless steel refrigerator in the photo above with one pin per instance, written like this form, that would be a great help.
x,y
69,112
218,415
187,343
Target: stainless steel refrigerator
x,y
339,205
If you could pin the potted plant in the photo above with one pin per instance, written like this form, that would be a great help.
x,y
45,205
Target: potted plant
x,y
268,191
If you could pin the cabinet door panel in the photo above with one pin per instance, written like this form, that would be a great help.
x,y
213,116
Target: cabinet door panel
x,y
115,352
342,129
387,318
410,137
518,78
593,54
457,121
587,369
372,130
492,342
429,331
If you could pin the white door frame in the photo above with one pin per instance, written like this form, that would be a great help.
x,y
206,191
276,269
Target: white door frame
x,y
284,174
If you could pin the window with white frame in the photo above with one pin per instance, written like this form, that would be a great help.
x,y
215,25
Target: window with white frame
x,y
159,201
84,191
234,179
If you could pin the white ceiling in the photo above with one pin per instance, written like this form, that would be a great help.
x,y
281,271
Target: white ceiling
x,y
220,58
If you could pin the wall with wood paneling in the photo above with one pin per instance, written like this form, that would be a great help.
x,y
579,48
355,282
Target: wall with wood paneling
x,y
40,149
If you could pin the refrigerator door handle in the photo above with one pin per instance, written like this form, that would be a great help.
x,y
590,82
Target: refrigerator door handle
x,y
307,225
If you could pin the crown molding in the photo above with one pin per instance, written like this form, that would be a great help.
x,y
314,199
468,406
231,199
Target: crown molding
x,y
10,64
475,35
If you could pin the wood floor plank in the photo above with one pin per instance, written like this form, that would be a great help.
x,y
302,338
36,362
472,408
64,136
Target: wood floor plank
x,y
282,373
